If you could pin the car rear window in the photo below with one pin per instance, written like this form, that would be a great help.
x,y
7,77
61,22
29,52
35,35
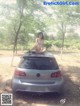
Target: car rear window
x,y
39,63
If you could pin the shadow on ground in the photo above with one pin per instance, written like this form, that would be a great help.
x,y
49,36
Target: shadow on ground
x,y
71,92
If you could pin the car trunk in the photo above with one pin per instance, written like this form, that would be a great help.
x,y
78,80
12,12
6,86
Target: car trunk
x,y
38,70
38,76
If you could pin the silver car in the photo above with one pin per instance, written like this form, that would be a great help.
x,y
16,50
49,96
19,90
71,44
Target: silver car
x,y
38,72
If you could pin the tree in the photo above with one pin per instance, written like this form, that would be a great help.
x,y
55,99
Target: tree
x,y
62,20
26,18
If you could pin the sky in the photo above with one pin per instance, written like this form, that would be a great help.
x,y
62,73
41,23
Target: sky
x,y
8,1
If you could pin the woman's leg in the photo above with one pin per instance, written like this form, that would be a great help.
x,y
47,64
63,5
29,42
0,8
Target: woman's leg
x,y
35,48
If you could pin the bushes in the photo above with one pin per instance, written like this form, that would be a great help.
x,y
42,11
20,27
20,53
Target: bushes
x,y
68,43
77,46
48,44
57,43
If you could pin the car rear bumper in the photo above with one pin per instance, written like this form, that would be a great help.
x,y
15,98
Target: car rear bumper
x,y
17,85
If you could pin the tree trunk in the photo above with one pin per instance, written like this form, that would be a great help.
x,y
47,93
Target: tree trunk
x,y
63,37
15,42
16,38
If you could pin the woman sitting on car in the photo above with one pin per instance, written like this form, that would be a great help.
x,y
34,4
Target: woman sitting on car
x,y
39,43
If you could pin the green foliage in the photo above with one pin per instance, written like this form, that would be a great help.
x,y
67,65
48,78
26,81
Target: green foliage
x,y
47,44
57,43
78,46
67,44
35,17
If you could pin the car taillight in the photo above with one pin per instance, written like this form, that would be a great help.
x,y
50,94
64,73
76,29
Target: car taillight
x,y
56,74
19,73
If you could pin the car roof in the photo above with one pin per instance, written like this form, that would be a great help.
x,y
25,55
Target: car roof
x,y
34,54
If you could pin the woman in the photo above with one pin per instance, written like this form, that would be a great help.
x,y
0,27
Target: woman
x,y
39,43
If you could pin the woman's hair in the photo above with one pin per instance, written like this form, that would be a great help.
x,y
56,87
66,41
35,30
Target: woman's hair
x,y
40,33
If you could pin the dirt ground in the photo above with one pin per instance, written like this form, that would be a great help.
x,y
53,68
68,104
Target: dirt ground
x,y
70,66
